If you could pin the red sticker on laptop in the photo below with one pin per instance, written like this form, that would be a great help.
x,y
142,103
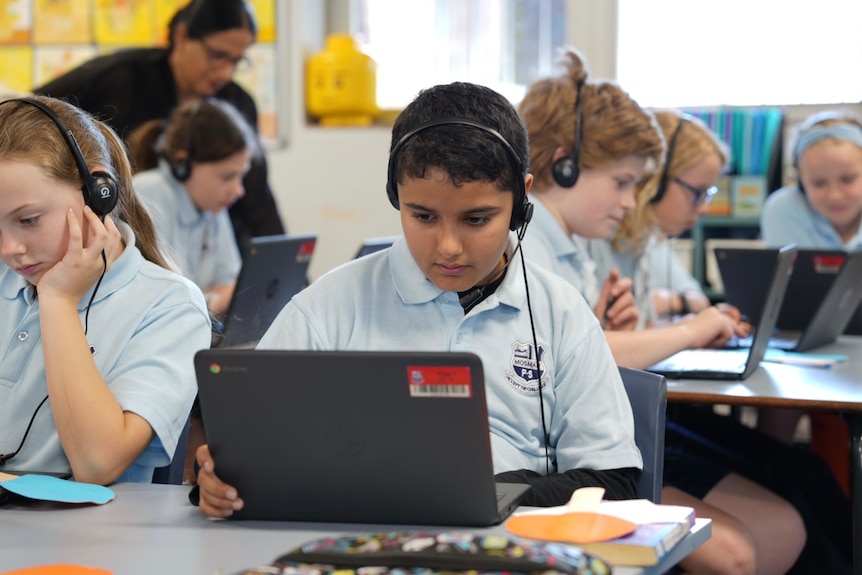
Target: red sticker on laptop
x,y
439,381
306,249
828,264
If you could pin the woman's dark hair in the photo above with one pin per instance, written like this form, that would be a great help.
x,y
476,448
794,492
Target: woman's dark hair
x,y
205,17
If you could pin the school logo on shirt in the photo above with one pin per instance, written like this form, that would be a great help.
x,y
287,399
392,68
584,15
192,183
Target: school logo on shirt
x,y
525,369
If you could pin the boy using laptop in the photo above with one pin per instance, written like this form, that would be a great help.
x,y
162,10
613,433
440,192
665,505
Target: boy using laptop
x,y
458,173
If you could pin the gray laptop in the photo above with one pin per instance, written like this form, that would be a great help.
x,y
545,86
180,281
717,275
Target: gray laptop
x,y
741,362
822,296
371,245
358,437
274,269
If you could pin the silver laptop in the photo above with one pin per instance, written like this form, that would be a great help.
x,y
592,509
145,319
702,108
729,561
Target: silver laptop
x,y
822,295
359,437
274,269
741,362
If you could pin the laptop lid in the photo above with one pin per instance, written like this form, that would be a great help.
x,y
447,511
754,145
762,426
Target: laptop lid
x,y
347,436
737,363
824,290
371,245
274,269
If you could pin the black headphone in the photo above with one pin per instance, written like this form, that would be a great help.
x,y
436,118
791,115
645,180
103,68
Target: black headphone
x,y
522,210
100,189
662,183
566,170
182,168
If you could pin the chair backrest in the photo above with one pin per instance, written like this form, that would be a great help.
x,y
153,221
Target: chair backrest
x,y
172,474
648,395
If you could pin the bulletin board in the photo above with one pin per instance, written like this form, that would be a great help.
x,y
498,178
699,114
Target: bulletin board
x,y
41,39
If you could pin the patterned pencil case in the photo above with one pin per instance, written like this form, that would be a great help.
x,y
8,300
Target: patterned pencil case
x,y
412,553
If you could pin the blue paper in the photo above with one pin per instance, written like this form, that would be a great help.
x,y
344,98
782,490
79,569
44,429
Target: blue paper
x,y
49,488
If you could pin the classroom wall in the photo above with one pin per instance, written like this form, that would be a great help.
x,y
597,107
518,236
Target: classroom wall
x,y
332,180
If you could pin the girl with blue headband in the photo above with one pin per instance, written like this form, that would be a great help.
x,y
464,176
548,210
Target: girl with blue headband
x,y
824,209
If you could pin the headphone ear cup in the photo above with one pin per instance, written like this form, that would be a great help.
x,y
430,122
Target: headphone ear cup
x,y
392,194
102,193
566,171
181,169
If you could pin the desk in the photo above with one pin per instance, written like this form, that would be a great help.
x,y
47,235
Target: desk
x,y
151,529
838,388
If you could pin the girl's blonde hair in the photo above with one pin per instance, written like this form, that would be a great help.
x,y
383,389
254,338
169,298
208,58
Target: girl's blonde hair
x,y
613,126
29,134
693,142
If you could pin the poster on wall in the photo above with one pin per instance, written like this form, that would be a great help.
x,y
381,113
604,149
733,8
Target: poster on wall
x,y
15,21
124,22
16,68
264,12
62,22
259,80
51,61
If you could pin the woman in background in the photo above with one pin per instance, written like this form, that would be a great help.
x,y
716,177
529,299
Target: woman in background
x,y
208,40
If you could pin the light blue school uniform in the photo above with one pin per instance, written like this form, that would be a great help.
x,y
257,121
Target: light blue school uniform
x,y
668,271
202,244
787,218
634,266
144,327
393,306
546,244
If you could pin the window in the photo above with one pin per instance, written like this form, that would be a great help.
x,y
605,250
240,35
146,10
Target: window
x,y
503,44
740,52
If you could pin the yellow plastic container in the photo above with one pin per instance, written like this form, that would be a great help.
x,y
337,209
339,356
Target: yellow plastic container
x,y
341,84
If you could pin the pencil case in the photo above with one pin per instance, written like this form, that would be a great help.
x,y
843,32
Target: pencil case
x,y
416,553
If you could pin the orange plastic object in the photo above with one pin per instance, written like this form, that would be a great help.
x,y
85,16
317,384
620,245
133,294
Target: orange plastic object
x,y
577,527
58,569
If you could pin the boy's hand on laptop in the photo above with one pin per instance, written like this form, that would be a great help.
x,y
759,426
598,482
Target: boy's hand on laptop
x,y
217,499
616,308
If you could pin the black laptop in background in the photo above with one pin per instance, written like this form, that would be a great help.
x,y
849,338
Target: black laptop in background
x,y
824,291
274,269
371,245
741,362
353,436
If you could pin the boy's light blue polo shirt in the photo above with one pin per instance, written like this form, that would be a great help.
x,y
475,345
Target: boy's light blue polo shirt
x,y
202,244
787,218
384,302
144,327
546,244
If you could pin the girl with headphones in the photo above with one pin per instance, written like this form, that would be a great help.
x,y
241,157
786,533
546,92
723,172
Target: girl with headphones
x,y
615,148
824,208
95,373
667,204
194,164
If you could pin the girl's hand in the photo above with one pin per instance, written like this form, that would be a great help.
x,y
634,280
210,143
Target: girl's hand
x,y
82,264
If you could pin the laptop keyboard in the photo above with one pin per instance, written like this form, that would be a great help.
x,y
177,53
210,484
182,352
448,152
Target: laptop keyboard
x,y
708,360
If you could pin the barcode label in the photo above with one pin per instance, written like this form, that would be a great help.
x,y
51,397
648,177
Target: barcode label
x,y
439,381
440,391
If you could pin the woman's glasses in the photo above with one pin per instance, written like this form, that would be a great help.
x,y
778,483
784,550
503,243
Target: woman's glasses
x,y
218,58
701,196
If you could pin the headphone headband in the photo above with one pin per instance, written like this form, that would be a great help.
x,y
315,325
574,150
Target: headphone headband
x,y
662,183
522,208
182,168
566,170
100,189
